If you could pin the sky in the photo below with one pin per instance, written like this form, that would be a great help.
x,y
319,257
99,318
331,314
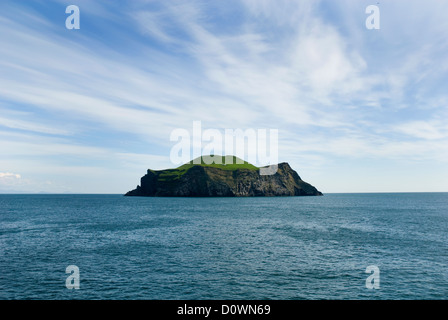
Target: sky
x,y
89,110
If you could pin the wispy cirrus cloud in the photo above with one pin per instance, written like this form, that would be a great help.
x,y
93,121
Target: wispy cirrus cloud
x,y
109,95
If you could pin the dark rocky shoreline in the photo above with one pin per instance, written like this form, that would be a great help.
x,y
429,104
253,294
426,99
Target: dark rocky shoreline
x,y
203,181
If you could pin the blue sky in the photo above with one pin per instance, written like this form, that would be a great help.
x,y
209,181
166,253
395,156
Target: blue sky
x,y
90,110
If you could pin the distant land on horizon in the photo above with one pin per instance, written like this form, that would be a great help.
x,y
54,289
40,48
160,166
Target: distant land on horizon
x,y
206,178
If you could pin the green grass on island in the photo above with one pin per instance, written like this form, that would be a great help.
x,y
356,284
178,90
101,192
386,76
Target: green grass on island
x,y
230,163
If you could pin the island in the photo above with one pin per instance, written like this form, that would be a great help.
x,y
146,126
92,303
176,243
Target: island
x,y
237,179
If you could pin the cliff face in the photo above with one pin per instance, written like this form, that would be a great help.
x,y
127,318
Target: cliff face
x,y
203,181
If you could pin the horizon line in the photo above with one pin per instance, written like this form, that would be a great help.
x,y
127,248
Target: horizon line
x,y
102,193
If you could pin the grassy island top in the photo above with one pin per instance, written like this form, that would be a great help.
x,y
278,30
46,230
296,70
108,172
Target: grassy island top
x,y
233,163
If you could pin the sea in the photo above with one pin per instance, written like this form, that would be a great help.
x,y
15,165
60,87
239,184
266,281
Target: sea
x,y
336,247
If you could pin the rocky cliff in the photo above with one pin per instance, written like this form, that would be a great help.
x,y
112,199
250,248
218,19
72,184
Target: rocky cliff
x,y
216,181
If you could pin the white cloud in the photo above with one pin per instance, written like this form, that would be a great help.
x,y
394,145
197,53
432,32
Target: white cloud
x,y
429,130
31,126
7,175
